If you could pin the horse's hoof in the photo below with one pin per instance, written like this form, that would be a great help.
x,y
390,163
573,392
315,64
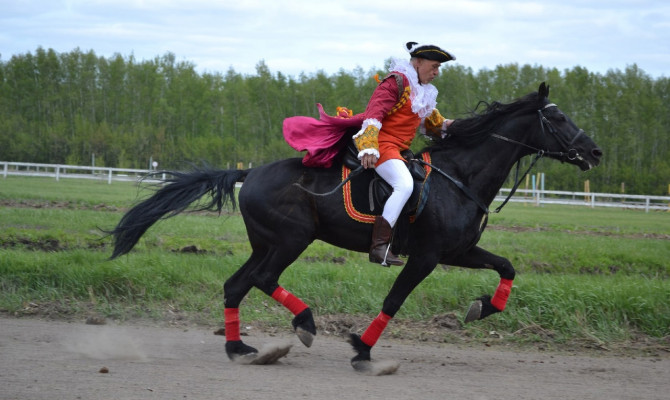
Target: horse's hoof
x,y
375,368
361,349
481,309
304,327
305,337
475,312
239,352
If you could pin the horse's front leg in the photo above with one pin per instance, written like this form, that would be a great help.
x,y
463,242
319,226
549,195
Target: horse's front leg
x,y
486,305
409,278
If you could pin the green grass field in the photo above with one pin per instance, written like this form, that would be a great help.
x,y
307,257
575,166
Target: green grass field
x,y
597,276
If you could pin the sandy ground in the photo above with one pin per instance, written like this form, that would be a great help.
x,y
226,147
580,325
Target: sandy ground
x,y
44,359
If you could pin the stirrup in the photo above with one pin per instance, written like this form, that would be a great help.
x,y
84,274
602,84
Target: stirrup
x,y
386,254
384,261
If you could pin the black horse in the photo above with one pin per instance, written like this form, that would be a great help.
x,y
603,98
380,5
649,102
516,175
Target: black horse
x,y
469,166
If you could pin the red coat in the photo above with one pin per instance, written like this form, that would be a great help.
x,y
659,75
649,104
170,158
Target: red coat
x,y
389,107
394,111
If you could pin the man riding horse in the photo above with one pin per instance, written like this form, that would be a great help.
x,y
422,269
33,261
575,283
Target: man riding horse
x,y
403,101
285,210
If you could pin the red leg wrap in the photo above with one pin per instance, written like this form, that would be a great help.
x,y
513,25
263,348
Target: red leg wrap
x,y
501,295
288,300
231,317
374,331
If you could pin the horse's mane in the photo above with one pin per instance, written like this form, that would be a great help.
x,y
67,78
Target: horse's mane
x,y
471,131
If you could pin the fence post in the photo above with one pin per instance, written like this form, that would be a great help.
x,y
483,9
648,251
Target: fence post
x,y
4,172
57,173
587,190
109,178
542,187
537,190
525,194
533,186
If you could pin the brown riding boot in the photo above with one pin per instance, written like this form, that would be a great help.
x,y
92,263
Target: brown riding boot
x,y
380,251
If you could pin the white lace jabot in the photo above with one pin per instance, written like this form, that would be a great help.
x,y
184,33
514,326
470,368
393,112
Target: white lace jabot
x,y
423,97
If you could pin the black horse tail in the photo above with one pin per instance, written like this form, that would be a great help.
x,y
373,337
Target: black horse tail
x,y
176,195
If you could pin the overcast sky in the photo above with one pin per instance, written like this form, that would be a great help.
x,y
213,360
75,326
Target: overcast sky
x,y
294,36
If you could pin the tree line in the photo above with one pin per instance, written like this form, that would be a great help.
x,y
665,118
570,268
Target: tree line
x,y
71,108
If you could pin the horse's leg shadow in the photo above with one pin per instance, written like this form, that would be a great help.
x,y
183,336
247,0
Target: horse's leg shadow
x,y
269,354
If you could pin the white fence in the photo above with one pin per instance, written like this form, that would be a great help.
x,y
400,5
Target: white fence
x,y
632,201
59,171
536,197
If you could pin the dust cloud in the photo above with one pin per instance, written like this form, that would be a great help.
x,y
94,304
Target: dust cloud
x,y
104,343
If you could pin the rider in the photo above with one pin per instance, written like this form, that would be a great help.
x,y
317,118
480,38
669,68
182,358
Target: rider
x,y
391,118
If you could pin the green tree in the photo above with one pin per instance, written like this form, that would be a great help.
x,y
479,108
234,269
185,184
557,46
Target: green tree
x,y
69,107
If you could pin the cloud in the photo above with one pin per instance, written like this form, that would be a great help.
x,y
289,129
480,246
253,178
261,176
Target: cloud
x,y
306,36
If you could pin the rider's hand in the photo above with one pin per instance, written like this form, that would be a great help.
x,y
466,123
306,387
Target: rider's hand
x,y
369,160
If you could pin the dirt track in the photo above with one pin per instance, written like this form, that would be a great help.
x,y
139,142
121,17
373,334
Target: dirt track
x,y
41,359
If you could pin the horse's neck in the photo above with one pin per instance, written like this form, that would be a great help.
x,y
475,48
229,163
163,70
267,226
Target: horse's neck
x,y
484,168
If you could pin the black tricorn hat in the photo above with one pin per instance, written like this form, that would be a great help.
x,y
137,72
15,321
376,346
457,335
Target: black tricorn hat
x,y
429,52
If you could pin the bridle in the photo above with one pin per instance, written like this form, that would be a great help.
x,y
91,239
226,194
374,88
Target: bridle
x,y
545,125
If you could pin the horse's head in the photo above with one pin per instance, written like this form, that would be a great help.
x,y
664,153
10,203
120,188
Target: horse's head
x,y
560,138
533,123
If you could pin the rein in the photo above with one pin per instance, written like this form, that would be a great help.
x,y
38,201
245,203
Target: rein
x,y
571,154
458,184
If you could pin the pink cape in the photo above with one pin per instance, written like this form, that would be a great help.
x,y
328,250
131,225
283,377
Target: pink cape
x,y
323,138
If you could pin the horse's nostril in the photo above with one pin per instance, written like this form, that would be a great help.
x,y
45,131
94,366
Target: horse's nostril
x,y
597,152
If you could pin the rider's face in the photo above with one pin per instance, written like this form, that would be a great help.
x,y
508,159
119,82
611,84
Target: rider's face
x,y
426,69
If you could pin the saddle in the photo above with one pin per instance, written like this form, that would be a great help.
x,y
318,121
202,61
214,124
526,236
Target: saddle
x,y
369,191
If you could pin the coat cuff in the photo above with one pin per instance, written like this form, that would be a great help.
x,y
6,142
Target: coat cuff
x,y
366,139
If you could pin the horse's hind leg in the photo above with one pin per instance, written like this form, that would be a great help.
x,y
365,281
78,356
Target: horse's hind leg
x,y
262,270
303,321
235,288
266,278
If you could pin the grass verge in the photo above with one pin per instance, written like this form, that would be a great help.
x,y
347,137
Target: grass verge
x,y
594,277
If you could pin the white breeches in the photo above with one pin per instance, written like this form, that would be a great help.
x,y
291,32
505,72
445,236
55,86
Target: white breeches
x,y
397,175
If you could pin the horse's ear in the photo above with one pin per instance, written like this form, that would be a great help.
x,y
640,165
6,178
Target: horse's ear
x,y
543,91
